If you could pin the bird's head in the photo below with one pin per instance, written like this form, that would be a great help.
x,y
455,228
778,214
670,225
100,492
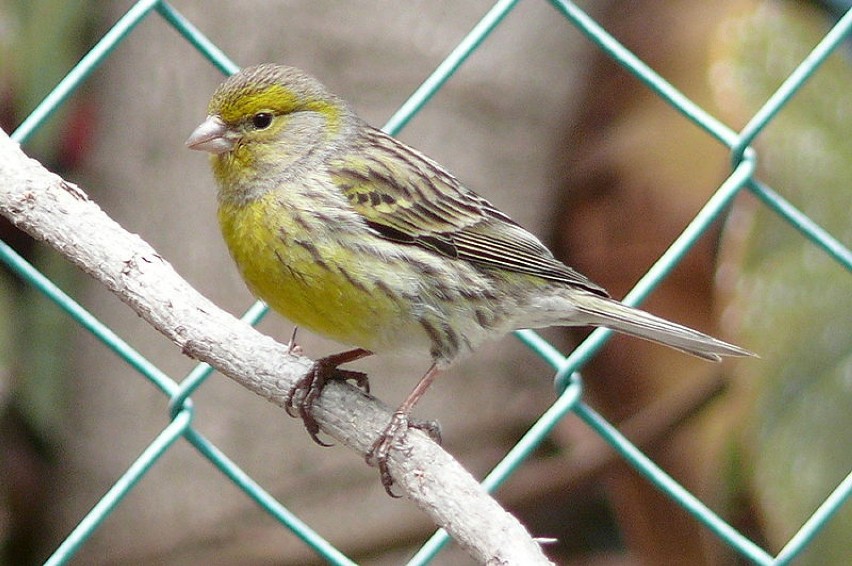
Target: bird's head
x,y
263,119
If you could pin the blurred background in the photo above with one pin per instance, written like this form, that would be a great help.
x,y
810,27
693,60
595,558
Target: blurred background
x,y
554,133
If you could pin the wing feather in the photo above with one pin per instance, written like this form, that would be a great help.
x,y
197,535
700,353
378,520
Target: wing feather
x,y
408,198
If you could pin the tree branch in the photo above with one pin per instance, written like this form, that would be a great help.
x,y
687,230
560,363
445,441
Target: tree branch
x,y
59,213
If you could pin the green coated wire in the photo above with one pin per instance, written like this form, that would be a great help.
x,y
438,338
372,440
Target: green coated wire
x,y
197,39
102,49
510,462
85,319
802,223
817,521
545,350
708,214
202,371
638,68
83,69
120,489
266,501
791,85
737,142
795,81
670,487
449,65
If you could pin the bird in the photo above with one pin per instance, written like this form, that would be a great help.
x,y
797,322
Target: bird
x,y
358,237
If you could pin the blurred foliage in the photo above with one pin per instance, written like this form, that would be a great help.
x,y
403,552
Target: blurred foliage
x,y
795,300
6,313
40,40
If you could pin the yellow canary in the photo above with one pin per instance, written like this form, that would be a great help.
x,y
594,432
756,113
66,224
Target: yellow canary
x,y
356,236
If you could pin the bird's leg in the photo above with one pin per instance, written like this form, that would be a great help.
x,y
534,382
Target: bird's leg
x,y
311,385
292,347
400,422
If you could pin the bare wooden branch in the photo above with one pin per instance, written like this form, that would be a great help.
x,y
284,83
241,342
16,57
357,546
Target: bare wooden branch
x,y
59,213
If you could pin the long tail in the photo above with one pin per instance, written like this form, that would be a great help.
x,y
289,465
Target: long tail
x,y
601,311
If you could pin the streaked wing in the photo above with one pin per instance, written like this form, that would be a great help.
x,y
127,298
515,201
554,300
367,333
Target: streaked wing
x,y
406,197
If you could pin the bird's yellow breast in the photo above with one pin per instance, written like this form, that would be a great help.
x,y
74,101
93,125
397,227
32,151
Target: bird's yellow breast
x,y
310,275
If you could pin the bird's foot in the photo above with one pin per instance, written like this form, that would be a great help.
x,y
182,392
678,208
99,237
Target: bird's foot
x,y
302,396
391,437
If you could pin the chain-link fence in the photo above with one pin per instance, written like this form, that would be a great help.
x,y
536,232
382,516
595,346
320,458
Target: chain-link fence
x,y
569,383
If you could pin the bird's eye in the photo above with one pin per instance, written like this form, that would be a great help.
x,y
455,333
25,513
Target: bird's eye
x,y
261,120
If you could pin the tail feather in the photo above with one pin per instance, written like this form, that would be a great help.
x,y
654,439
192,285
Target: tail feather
x,y
602,311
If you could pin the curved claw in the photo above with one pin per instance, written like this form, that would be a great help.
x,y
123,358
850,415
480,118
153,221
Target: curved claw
x,y
378,454
394,433
361,379
311,385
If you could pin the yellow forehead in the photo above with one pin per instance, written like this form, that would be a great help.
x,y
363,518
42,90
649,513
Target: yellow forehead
x,y
236,105
233,106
